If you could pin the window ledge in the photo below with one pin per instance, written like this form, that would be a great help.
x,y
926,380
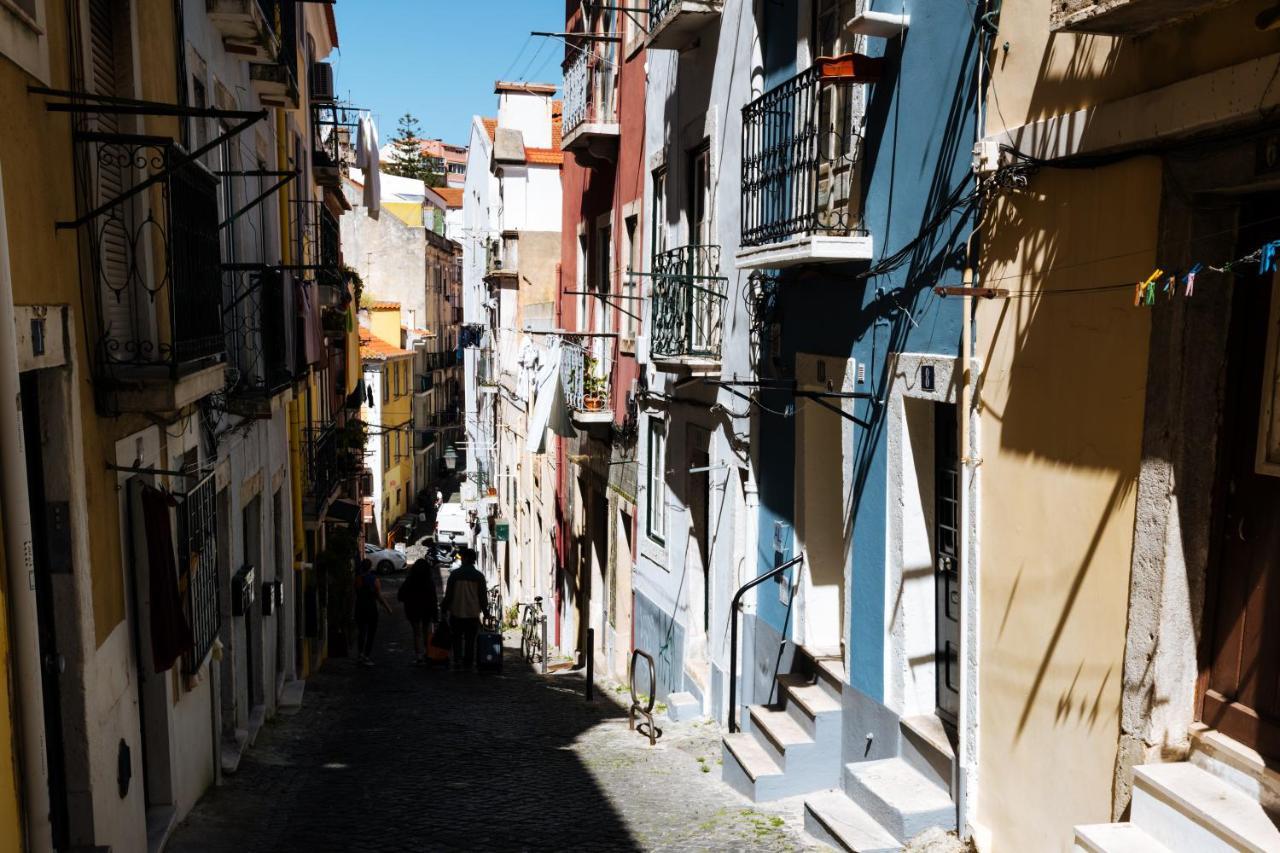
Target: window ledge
x,y
23,16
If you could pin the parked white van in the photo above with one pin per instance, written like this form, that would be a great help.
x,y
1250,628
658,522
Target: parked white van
x,y
451,524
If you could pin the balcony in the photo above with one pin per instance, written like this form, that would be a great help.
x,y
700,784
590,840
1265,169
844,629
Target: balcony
x,y
258,321
248,31
487,373
423,440
333,137
676,24
586,384
275,84
425,384
333,456
160,343
687,309
590,122
1123,17
503,258
802,168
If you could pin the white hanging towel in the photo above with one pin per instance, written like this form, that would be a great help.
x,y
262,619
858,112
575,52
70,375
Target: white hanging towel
x,y
367,161
549,406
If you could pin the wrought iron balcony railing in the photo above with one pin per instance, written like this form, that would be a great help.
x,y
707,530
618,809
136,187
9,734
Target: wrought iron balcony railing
x,y
333,137
585,381
259,319
687,307
590,96
801,159
330,461
171,317
486,367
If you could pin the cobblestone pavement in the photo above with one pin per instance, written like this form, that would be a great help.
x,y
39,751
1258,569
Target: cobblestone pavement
x,y
398,757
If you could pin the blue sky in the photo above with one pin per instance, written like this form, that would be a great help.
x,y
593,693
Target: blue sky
x,y
438,59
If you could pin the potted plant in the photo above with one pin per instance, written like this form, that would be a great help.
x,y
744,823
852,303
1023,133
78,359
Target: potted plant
x,y
594,391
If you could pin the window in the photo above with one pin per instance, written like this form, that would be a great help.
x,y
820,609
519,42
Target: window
x,y
583,256
635,266
659,211
386,386
386,452
604,275
657,491
700,197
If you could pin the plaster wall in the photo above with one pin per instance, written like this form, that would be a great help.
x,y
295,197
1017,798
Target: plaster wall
x,y
390,256
529,113
1061,405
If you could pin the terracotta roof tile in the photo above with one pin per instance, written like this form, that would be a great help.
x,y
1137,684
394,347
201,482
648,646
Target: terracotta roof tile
x,y
452,195
373,348
557,116
384,306
544,156
491,125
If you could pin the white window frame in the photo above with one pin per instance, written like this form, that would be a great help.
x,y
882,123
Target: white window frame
x,y
656,485
631,274
24,38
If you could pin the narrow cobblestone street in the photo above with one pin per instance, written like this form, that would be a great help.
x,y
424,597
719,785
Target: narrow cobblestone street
x,y
397,757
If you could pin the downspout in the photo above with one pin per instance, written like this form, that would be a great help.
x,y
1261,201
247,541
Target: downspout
x,y
21,589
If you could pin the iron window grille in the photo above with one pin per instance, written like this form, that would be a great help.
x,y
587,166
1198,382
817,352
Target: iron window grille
x,y
801,160
258,319
171,316
198,568
687,307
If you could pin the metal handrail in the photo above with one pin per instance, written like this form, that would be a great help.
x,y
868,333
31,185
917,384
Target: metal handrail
x,y
733,634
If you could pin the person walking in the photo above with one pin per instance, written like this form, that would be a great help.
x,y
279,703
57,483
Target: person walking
x,y
466,599
368,600
418,594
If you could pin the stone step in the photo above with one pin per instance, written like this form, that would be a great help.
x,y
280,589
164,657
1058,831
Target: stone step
x,y
1186,808
898,797
291,696
781,735
827,668
926,746
747,766
834,819
807,701
1116,838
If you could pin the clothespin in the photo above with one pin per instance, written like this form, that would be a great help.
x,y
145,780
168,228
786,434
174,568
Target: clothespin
x,y
1169,284
1146,289
1267,257
1190,280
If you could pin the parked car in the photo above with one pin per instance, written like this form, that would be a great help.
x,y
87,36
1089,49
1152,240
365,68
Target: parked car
x,y
385,561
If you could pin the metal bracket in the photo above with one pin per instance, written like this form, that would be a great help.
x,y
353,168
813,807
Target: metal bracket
x,y
286,177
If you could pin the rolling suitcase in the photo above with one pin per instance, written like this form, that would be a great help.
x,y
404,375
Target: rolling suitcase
x,y
489,648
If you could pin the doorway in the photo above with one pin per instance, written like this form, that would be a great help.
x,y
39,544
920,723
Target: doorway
x,y
946,563
50,657
1240,674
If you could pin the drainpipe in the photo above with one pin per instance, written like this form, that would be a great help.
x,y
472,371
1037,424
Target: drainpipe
x,y
24,629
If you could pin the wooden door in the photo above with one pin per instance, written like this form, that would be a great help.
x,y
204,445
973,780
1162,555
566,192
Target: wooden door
x,y
1240,677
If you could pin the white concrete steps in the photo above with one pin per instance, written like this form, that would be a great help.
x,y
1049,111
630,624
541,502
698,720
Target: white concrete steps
x,y
898,797
749,769
807,702
833,818
926,745
1186,808
1116,838
783,736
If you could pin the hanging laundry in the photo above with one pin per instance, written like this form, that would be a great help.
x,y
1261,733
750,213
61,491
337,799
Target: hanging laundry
x,y
171,635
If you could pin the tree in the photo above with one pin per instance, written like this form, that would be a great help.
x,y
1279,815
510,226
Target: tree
x,y
407,159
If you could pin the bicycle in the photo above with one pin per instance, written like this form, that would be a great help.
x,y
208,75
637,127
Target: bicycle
x,y
531,631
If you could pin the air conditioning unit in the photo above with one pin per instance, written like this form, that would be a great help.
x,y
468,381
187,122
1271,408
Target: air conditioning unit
x,y
322,82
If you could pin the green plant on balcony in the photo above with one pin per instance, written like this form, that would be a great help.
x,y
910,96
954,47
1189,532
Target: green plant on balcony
x,y
595,389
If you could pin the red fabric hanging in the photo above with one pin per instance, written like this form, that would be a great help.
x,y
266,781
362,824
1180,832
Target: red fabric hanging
x,y
170,631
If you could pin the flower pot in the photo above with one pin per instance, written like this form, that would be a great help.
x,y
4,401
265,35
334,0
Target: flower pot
x,y
850,68
592,403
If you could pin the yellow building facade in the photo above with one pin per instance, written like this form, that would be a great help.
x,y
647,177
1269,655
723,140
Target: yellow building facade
x,y
1137,128
389,380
